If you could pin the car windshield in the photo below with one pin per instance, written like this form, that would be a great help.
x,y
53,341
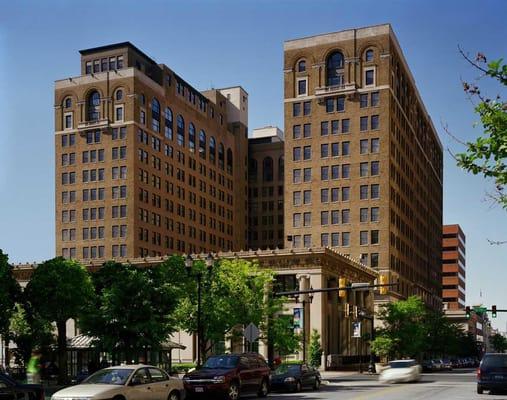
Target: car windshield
x,y
495,361
110,376
287,368
401,364
222,362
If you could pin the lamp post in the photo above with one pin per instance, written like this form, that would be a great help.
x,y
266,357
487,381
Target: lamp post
x,y
189,262
305,302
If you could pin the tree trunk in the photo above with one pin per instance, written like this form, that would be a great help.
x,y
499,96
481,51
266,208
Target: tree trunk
x,y
61,326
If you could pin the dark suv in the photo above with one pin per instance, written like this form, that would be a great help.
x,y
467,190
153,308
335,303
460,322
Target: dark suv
x,y
492,373
229,375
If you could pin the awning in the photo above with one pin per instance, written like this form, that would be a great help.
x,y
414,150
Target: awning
x,y
86,342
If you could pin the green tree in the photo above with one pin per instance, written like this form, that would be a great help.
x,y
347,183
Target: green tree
x,y
133,307
285,341
234,294
9,293
499,342
443,338
487,154
383,346
315,350
59,290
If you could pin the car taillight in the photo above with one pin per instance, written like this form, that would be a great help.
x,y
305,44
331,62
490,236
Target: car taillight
x,y
478,373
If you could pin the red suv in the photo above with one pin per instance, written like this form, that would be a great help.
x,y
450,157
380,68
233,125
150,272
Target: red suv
x,y
229,375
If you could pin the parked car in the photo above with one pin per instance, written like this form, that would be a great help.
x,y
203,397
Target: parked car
x,y
133,382
12,390
229,375
438,365
446,363
401,371
492,373
430,365
295,377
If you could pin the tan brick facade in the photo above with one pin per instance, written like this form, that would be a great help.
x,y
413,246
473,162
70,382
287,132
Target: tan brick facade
x,y
131,180
453,267
363,160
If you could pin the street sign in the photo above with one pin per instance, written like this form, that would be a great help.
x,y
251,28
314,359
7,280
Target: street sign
x,y
356,329
360,286
480,309
251,332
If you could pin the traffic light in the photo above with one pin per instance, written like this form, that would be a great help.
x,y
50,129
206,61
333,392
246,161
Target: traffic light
x,y
493,311
347,310
467,312
342,282
383,281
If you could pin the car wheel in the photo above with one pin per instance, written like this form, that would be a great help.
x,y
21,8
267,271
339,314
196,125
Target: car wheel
x,y
174,395
316,384
264,389
480,390
233,392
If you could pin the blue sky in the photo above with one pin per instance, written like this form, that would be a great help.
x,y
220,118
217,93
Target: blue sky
x,y
224,43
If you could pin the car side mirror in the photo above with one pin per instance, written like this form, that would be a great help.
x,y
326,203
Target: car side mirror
x,y
135,381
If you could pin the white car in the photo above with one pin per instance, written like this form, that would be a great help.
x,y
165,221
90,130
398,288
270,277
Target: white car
x,y
126,382
401,371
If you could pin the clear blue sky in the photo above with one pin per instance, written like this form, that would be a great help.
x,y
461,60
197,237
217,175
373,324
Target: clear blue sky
x,y
224,43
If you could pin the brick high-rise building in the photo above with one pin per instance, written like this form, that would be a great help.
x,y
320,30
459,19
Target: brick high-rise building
x,y
145,163
453,267
265,188
363,162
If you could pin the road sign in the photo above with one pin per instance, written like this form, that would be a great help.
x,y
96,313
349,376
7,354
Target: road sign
x,y
356,329
251,332
480,310
359,286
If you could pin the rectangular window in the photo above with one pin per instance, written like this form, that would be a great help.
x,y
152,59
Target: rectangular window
x,y
374,260
335,127
324,173
324,239
369,77
329,105
307,219
363,238
374,214
307,197
119,114
346,239
345,193
324,217
296,154
307,174
68,121
335,239
375,168
363,124
335,172
346,216
296,241
374,99
335,217
307,153
374,122
363,215
296,176
301,87
324,128
363,146
307,108
296,220
345,148
363,192
307,241
345,125
375,145
296,132
335,193
307,130
296,109
120,62
340,103
363,100
374,237
324,150
363,169
375,191
88,68
296,198
112,63
324,195
346,171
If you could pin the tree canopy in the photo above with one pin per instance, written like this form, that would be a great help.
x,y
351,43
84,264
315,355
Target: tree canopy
x,y
9,293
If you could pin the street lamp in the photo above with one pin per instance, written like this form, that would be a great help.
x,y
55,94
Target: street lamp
x,y
305,302
189,262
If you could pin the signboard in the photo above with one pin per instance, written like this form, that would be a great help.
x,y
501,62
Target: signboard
x,y
356,329
298,320
251,332
480,310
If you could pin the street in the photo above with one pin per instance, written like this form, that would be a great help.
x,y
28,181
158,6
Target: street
x,y
458,385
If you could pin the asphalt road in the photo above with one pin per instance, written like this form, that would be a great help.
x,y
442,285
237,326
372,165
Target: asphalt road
x,y
454,385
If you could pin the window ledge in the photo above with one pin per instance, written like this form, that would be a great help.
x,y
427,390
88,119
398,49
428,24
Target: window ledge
x,y
337,89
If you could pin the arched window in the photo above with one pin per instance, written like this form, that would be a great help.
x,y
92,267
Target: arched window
x,y
67,103
168,116
180,131
155,115
229,161
212,149
221,155
302,66
191,137
93,104
334,69
119,95
267,169
202,144
368,56
252,169
281,167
